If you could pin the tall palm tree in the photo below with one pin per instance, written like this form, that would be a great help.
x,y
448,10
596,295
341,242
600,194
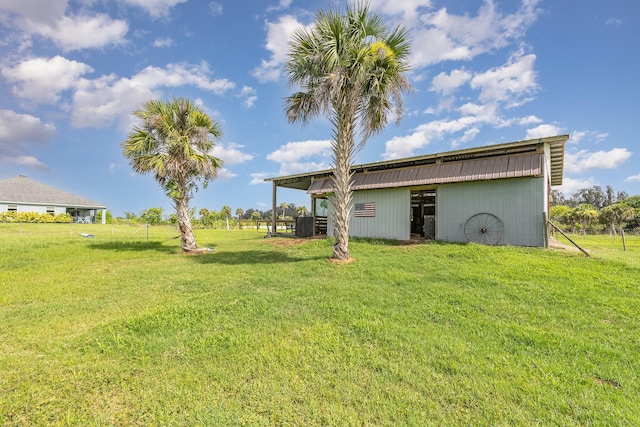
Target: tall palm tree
x,y
350,68
239,213
204,214
173,143
284,207
226,211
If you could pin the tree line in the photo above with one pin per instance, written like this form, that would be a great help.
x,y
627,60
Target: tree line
x,y
206,218
595,210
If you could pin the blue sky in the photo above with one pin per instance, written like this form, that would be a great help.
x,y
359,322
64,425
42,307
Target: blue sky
x,y
483,72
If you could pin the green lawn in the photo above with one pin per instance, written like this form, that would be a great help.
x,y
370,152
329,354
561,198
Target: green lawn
x,y
123,329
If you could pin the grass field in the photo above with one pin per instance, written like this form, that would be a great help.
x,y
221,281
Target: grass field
x,y
124,329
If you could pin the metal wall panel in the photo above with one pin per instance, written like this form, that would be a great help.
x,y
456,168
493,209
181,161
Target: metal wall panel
x,y
392,219
518,202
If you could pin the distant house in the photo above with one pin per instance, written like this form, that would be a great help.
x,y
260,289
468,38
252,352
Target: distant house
x,y
495,194
22,194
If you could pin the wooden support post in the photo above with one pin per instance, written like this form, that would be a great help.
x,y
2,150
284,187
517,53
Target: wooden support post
x,y
568,238
274,213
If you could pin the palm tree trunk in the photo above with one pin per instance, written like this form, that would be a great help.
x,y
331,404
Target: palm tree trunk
x,y
342,196
184,224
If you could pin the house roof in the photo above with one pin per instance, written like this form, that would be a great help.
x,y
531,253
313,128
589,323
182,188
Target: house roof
x,y
22,190
509,160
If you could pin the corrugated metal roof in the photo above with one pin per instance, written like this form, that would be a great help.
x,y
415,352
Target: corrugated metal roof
x,y
555,143
511,166
22,190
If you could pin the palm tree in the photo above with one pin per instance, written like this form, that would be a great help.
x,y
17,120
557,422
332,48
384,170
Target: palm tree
x,y
204,213
302,210
255,216
239,213
226,211
616,214
585,214
284,207
173,143
350,68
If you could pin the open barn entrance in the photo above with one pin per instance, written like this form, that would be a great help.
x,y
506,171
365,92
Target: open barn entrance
x,y
423,213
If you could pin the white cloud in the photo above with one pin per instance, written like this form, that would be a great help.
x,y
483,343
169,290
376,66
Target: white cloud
x,y
18,132
156,8
215,8
41,80
249,96
614,21
583,160
28,161
44,12
529,120
278,35
282,4
163,42
446,84
473,117
259,178
408,9
633,178
512,80
302,156
577,136
68,30
442,36
571,185
542,131
108,99
231,153
468,136
82,32
224,173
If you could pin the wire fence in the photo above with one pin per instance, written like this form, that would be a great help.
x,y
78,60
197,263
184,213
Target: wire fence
x,y
622,245
139,232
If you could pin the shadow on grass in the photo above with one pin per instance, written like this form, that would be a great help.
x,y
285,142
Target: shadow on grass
x,y
226,258
134,247
250,257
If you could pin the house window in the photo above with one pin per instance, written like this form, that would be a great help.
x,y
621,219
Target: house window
x,y
51,210
12,208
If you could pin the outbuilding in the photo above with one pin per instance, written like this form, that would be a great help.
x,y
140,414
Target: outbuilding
x,y
21,194
494,194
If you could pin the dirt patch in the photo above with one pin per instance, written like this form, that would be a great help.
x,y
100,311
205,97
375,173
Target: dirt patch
x,y
604,381
335,261
285,241
554,244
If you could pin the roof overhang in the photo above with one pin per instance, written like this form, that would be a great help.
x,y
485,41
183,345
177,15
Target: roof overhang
x,y
452,166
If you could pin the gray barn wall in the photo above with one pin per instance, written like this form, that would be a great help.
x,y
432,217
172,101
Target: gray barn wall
x,y
392,220
518,202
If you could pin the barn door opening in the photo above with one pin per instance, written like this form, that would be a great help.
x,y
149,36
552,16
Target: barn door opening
x,y
423,213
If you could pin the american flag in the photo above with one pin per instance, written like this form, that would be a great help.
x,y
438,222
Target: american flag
x,y
367,209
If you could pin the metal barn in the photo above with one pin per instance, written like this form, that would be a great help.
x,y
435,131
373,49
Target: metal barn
x,y
495,194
